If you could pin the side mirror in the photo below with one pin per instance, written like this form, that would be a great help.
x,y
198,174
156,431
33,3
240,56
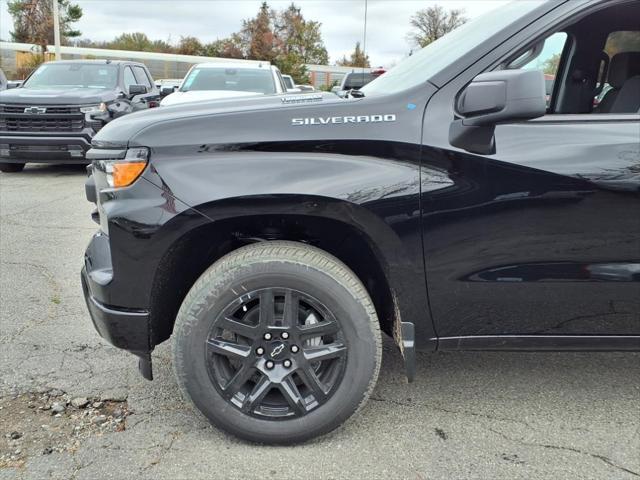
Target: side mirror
x,y
164,91
493,98
335,89
137,90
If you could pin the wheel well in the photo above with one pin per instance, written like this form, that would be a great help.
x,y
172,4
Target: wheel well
x,y
193,253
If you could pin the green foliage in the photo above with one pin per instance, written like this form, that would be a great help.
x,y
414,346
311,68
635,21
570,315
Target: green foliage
x,y
298,42
328,87
190,46
137,41
33,21
434,22
358,58
551,64
230,47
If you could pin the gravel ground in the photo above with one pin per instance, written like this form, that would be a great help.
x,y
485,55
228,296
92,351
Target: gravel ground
x,y
485,416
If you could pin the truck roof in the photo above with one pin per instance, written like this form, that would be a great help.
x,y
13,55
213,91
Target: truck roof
x,y
262,65
98,61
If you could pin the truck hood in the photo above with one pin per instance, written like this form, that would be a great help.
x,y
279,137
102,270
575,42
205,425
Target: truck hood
x,y
200,115
58,96
177,98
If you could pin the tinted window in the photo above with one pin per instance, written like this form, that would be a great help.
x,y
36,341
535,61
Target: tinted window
x,y
141,77
129,79
74,75
288,81
357,80
234,79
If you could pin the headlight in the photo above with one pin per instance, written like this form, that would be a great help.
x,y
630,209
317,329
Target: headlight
x,y
123,172
100,108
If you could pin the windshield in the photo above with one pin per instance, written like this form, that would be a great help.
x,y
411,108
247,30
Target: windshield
x,y
357,80
236,79
73,75
433,58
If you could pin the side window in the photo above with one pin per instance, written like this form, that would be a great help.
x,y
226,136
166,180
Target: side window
x,y
283,86
129,79
141,77
544,56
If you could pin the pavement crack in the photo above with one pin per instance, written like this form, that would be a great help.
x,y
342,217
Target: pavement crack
x,y
596,456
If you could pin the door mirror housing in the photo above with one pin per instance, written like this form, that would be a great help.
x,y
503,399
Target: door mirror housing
x,y
493,98
137,90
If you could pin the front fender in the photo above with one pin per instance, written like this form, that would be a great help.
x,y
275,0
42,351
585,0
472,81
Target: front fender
x,y
375,193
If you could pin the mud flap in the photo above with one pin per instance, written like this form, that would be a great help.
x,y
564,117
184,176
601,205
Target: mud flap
x,y
407,347
145,365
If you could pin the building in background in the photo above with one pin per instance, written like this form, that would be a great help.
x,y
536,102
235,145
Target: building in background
x,y
17,60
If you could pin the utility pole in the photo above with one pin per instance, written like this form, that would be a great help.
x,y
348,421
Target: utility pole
x,y
56,29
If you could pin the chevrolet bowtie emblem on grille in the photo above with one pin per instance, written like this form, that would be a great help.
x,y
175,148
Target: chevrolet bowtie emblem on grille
x,y
35,110
276,351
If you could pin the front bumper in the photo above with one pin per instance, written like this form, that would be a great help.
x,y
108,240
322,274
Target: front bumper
x,y
124,328
44,148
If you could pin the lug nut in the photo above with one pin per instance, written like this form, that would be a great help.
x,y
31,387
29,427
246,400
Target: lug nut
x,y
259,350
285,335
267,336
269,364
294,348
287,363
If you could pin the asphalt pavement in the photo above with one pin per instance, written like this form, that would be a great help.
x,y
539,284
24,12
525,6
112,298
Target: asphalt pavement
x,y
467,416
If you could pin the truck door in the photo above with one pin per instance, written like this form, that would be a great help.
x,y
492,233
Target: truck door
x,y
542,237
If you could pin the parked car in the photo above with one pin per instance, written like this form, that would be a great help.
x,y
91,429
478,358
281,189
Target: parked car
x,y
275,238
167,86
290,85
215,81
355,80
54,114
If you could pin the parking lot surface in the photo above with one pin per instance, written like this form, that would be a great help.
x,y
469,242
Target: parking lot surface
x,y
72,406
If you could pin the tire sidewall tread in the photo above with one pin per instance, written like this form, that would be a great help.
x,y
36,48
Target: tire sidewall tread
x,y
213,284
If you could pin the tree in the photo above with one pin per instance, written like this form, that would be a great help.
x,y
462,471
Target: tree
x,y
230,47
298,42
434,22
258,38
190,46
161,46
33,21
358,58
136,41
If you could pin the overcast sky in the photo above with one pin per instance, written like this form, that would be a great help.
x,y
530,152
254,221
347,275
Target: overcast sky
x,y
342,20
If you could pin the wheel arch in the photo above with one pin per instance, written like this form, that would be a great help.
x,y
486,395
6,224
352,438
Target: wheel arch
x,y
348,231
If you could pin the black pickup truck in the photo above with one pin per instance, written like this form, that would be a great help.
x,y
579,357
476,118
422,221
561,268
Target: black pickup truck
x,y
54,114
444,204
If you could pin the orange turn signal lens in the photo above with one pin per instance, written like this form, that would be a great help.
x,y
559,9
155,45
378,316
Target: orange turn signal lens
x,y
125,173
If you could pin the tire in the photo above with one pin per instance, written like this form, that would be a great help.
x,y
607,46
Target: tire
x,y
315,292
11,167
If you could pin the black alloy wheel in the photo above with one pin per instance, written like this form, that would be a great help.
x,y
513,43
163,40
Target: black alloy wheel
x,y
276,352
277,342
